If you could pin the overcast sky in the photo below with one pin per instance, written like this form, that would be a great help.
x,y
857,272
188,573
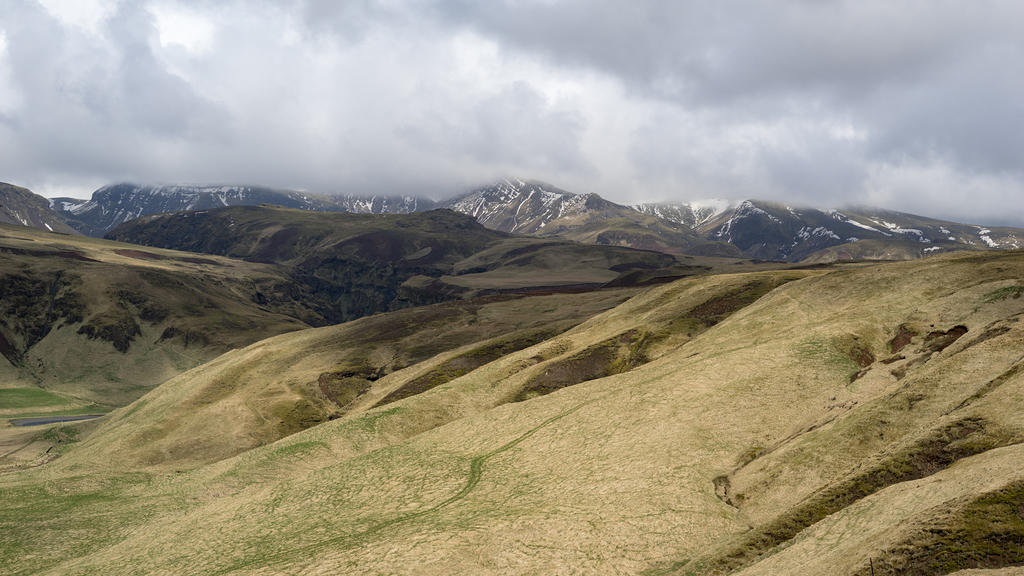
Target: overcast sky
x,y
912,105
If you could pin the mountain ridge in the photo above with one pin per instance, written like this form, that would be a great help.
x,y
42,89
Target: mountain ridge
x,y
750,228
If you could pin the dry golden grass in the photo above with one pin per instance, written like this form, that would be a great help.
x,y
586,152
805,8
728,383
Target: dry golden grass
x,y
611,475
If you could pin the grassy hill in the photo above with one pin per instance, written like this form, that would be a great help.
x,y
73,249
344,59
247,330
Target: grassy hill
x,y
93,324
825,421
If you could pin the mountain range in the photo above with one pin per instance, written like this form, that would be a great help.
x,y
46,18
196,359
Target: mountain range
x,y
749,229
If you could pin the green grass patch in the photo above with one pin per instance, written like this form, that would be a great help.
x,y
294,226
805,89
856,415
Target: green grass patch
x,y
29,398
1004,294
827,351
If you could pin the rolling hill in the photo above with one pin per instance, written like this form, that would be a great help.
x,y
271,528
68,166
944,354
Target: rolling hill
x,y
361,264
835,420
101,323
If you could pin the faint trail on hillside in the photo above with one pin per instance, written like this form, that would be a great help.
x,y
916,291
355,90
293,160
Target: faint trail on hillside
x,y
476,468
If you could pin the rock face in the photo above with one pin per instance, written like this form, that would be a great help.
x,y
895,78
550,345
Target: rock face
x,y
21,206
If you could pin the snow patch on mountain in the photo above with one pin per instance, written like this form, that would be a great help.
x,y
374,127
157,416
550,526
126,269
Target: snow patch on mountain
x,y
515,205
899,230
837,215
983,233
807,233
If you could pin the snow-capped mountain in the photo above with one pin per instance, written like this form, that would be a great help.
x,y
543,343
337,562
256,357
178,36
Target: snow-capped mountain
x,y
118,203
752,228
525,207
773,231
530,207
693,213
23,207
113,205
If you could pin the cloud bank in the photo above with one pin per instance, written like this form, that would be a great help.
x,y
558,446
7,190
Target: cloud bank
x,y
912,105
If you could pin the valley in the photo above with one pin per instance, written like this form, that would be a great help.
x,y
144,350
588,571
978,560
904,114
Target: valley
x,y
726,422
515,288
297,390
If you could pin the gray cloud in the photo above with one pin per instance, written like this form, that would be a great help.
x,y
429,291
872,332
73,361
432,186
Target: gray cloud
x,y
914,105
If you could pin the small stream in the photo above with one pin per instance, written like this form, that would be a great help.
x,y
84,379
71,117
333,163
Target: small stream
x,y
52,419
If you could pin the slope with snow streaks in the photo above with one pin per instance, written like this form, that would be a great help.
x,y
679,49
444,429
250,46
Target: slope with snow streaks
x,y
693,213
534,208
514,205
775,232
22,207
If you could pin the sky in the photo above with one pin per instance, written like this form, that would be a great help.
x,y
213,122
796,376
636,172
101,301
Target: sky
x,y
911,105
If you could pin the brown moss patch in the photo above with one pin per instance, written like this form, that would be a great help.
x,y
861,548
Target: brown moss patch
x,y
139,254
986,532
466,363
300,416
904,334
612,356
923,457
939,340
719,308
118,328
342,388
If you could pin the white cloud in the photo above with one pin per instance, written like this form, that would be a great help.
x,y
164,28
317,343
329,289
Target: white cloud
x,y
914,104
86,15
10,97
179,25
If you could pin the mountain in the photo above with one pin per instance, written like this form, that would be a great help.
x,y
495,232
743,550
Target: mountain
x,y
360,264
118,203
22,207
831,420
538,209
772,231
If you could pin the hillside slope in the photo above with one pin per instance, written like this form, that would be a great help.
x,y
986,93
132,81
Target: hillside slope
x,y
360,264
22,207
101,322
840,420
